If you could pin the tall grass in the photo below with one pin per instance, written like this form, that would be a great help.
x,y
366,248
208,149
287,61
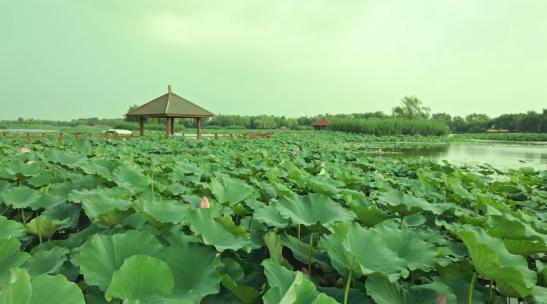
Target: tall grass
x,y
390,126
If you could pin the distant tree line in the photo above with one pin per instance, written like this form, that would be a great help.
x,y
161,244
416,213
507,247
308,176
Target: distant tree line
x,y
411,108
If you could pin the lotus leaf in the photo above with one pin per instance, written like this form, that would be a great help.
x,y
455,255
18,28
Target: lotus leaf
x,y
492,260
101,255
311,209
44,289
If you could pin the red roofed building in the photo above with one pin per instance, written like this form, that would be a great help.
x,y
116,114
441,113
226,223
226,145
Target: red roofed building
x,y
320,124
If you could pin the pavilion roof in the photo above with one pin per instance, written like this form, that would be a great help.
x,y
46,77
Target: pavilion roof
x,y
170,105
320,122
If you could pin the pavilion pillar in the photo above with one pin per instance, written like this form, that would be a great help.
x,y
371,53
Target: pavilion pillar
x,y
198,128
172,125
167,126
141,125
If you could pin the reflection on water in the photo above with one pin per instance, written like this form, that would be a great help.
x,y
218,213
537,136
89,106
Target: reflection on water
x,y
500,155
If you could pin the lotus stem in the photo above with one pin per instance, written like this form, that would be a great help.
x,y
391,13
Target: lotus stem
x,y
490,292
310,252
298,231
23,216
471,286
348,283
40,236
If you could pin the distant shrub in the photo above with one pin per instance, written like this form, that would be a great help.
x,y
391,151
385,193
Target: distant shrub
x,y
126,126
383,127
303,128
235,127
214,127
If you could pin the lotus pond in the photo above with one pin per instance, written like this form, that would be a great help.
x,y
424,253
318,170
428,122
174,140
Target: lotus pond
x,y
295,218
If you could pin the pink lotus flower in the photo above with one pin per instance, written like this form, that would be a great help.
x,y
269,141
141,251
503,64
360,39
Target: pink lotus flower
x,y
441,299
23,150
204,202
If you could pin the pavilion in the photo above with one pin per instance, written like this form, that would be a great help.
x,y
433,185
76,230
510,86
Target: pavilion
x,y
170,106
320,124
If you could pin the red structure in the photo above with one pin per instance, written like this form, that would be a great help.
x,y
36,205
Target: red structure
x,y
320,124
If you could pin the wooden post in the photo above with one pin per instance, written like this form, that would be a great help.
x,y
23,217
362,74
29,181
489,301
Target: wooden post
x,y
216,135
198,128
141,125
172,126
167,122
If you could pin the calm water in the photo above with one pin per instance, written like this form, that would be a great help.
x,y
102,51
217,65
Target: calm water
x,y
499,155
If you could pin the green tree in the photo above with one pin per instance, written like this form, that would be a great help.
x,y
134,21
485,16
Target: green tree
x,y
411,108
446,118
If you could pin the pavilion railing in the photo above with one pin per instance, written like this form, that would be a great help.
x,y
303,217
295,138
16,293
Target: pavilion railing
x,y
77,135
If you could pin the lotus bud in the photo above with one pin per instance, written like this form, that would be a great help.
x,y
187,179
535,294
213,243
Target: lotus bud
x,y
441,299
23,150
204,202
322,164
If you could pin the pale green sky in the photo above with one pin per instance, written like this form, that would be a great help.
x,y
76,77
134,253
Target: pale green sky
x,y
64,59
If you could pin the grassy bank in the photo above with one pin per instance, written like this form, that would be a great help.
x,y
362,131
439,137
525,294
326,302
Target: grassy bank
x,y
505,136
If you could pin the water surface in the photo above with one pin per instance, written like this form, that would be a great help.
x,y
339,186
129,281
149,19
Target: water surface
x,y
499,155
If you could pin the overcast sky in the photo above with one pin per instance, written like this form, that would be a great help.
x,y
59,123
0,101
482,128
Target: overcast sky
x,y
65,59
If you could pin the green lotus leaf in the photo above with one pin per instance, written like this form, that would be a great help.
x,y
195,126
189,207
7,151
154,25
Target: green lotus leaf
x,y
9,228
275,248
63,158
355,295
141,279
101,255
230,190
406,203
41,227
342,260
130,179
270,216
10,256
297,175
369,215
384,292
103,206
42,179
163,211
49,200
519,237
196,270
542,272
245,294
414,220
21,197
214,233
63,215
311,209
384,251
322,185
493,261
458,276
100,167
20,167
44,289
46,261
539,294
18,290
290,287
301,252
